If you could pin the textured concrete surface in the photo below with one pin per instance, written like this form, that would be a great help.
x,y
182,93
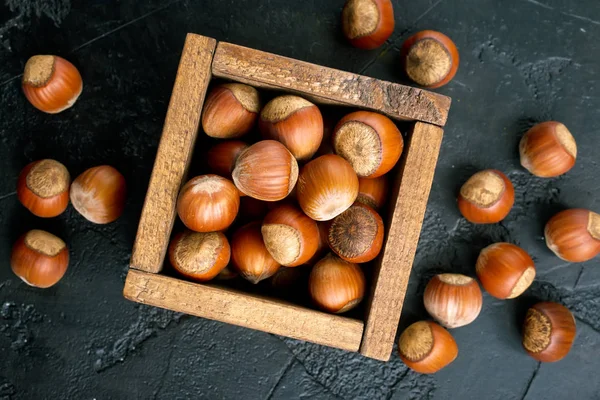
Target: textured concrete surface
x,y
522,61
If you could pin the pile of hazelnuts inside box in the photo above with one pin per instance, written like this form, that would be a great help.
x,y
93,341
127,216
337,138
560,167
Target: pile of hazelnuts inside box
x,y
313,199
300,194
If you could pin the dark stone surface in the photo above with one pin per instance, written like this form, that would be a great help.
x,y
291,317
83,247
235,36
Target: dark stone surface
x,y
521,62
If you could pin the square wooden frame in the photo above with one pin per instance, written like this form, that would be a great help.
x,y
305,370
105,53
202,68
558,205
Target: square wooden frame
x,y
202,59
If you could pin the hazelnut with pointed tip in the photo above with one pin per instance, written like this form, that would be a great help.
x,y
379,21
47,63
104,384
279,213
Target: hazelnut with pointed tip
x,y
250,256
548,150
453,300
367,24
426,347
574,235
369,141
505,270
290,236
486,197
39,258
548,331
356,235
230,110
43,188
266,171
327,187
51,83
430,58
199,255
208,203
295,122
336,285
98,194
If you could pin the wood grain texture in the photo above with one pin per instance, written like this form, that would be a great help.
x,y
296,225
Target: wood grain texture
x,y
174,153
242,309
392,271
327,85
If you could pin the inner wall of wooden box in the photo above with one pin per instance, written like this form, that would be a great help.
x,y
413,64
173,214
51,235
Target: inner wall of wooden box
x,y
241,291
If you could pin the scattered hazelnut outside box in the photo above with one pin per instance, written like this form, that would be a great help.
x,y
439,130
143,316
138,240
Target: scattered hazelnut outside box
x,y
202,59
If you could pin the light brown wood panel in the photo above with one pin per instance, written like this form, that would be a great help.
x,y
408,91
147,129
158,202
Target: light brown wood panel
x,y
329,85
243,309
174,153
393,268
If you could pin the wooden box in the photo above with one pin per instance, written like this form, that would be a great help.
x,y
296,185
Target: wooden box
x,y
202,59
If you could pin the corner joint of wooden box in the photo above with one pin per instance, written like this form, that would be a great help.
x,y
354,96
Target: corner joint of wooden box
x,y
140,286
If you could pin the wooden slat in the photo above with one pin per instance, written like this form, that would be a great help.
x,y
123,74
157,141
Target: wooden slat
x,y
174,153
328,85
242,309
394,265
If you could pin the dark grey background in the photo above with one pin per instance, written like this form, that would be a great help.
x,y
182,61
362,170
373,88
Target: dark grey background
x,y
521,62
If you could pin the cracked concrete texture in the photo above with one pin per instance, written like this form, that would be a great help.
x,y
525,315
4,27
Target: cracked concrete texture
x,y
56,10
351,376
149,322
16,324
522,61
6,389
298,381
